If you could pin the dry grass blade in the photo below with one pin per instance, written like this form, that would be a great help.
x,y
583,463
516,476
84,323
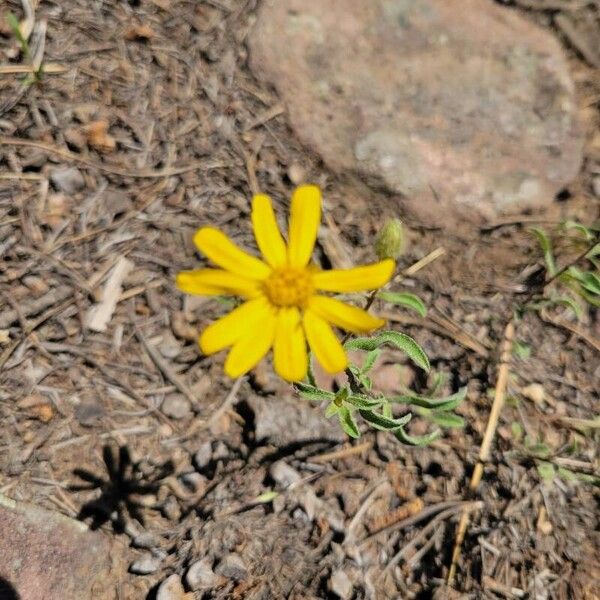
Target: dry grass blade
x,y
138,174
488,437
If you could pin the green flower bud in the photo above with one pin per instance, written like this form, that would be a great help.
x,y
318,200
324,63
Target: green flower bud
x,y
390,240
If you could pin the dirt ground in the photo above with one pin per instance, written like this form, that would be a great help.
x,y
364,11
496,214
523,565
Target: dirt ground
x,y
152,103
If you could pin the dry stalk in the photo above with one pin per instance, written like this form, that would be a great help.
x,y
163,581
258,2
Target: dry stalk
x,y
486,444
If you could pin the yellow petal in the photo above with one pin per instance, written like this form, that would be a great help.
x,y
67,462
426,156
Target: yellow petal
x,y
289,348
267,234
369,277
322,341
305,217
250,349
223,252
343,315
210,282
238,323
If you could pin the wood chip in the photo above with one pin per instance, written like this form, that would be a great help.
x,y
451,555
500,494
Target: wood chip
x,y
99,315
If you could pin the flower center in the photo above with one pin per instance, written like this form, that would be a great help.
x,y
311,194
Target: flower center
x,y
289,287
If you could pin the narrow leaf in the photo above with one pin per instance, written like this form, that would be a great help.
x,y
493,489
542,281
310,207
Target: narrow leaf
x,y
546,246
404,299
332,409
445,404
420,440
361,401
348,423
447,419
370,360
311,392
394,338
383,422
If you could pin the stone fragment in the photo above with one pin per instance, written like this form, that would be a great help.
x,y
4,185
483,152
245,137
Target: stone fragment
x,y
200,576
176,406
283,421
67,179
534,392
465,114
172,589
203,456
47,555
232,567
145,565
340,584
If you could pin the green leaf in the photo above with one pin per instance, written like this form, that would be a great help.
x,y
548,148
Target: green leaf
x,y
387,411
439,379
361,401
370,360
267,497
403,299
595,251
366,382
447,419
445,404
382,422
516,430
521,350
545,470
587,234
546,246
539,450
14,24
420,440
394,338
310,392
341,395
332,409
591,282
348,423
569,303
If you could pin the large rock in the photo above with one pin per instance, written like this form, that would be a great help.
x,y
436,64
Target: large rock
x,y
47,556
465,109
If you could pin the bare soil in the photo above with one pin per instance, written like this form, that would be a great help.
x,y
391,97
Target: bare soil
x,y
156,109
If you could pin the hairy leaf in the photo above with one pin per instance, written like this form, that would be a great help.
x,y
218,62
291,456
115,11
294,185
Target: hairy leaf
x,y
348,423
419,440
447,419
382,422
310,392
445,404
394,338
404,299
370,360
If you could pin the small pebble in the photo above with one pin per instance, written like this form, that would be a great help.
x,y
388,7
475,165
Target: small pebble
x,y
145,565
203,456
67,179
340,584
200,575
171,589
534,392
176,406
232,567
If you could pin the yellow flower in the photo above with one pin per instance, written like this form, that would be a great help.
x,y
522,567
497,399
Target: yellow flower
x,y
283,309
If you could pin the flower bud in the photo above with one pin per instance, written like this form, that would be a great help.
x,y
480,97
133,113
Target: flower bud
x,y
390,240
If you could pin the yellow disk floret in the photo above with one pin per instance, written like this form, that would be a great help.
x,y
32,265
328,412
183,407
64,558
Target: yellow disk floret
x,y
288,286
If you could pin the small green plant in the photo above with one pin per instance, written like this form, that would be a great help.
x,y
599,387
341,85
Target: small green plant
x,y
573,284
358,399
36,73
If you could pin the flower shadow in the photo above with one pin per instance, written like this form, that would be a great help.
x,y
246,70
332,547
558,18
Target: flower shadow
x,y
121,490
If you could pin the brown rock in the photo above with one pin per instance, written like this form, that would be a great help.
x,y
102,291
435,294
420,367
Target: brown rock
x,y
48,556
474,102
